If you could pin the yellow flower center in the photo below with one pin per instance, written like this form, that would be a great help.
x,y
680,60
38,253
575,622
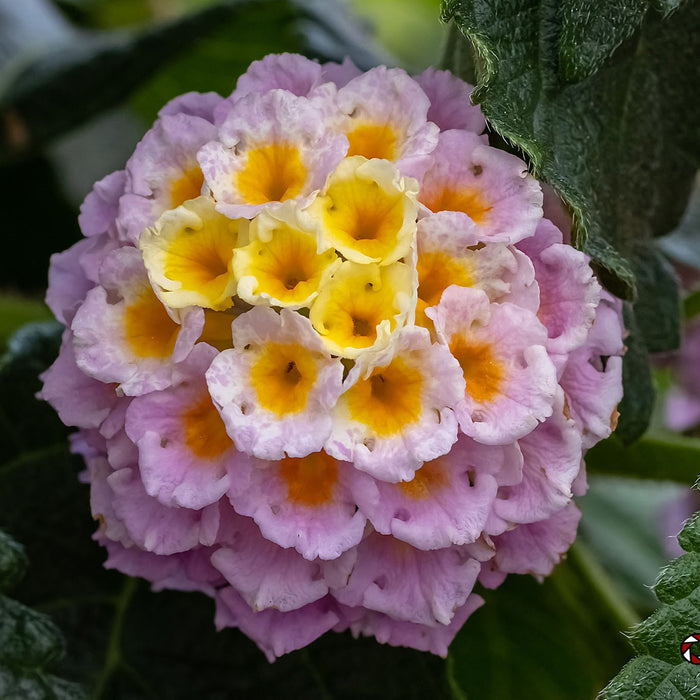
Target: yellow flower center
x,y
283,376
149,330
355,301
436,272
186,187
367,211
483,373
388,400
470,202
273,173
189,255
431,477
202,261
361,216
373,141
205,434
310,480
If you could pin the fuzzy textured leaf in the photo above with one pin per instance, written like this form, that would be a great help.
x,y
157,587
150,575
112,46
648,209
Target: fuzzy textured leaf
x,y
637,403
29,640
602,98
13,562
660,671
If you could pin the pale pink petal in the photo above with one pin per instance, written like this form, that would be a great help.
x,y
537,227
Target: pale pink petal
x,y
152,526
102,342
189,571
275,632
286,71
537,548
447,502
98,212
268,431
318,520
509,342
552,457
431,428
490,187
399,633
265,575
194,104
63,381
175,470
340,73
450,106
68,284
592,377
389,97
409,584
569,293
165,155
276,118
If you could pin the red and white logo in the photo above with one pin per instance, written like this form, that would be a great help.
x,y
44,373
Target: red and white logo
x,y
686,649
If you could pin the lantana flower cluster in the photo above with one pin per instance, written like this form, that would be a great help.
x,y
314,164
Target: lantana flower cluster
x,y
329,362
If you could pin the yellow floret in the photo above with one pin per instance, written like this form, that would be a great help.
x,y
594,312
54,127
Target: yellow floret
x,y
189,255
282,265
361,305
367,211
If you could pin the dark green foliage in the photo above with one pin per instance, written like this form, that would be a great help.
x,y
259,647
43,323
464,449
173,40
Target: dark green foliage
x,y
637,402
660,671
29,641
535,640
602,98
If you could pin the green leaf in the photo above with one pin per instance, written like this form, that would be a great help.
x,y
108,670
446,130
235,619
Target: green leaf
x,y
657,310
602,99
660,456
691,305
42,96
558,639
637,405
611,130
13,562
28,426
29,641
660,671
